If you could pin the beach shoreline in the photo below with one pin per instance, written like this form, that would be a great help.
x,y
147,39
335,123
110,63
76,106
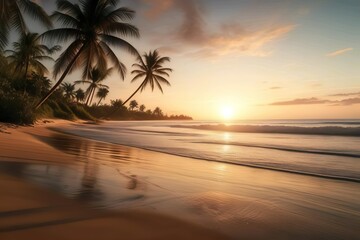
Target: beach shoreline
x,y
208,200
33,212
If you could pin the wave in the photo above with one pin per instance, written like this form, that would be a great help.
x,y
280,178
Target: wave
x,y
195,154
253,165
327,130
310,151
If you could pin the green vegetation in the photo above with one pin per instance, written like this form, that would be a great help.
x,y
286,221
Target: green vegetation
x,y
90,29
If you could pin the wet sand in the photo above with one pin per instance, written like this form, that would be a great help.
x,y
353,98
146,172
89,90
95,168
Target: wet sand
x,y
30,211
99,186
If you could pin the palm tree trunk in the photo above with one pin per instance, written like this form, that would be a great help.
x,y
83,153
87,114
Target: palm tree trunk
x,y
52,90
100,101
88,96
126,99
26,70
133,93
92,95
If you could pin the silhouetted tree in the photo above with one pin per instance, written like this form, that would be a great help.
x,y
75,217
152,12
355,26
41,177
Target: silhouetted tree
x,y
91,26
96,76
101,94
80,95
69,90
142,108
28,53
133,104
150,68
11,16
158,112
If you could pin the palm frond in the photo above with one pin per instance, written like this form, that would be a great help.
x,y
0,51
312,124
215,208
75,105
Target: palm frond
x,y
36,12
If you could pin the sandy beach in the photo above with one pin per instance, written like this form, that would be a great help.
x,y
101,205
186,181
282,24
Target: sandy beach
x,y
58,186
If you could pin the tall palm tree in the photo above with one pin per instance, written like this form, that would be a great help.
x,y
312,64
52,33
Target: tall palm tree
x,y
79,95
28,53
150,68
11,16
91,26
96,76
69,90
102,94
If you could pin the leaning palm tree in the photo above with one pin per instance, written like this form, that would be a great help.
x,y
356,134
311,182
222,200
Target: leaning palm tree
x,y
28,53
152,71
96,76
69,90
92,26
11,16
102,94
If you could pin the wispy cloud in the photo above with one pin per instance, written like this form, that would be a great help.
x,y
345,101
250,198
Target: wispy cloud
x,y
275,88
339,52
234,39
345,94
314,100
301,101
347,102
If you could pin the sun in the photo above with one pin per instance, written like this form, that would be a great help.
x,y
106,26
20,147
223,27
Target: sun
x,y
227,112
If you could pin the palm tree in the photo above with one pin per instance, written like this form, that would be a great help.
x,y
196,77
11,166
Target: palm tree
x,y
158,112
142,108
79,95
28,53
133,104
91,26
11,16
96,76
101,94
69,90
152,70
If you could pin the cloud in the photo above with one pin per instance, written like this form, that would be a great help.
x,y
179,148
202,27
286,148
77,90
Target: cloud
x,y
275,88
345,94
157,7
347,102
301,101
234,39
314,100
339,52
192,36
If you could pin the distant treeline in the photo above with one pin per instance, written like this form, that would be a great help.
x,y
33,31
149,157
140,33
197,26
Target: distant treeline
x,y
115,111
17,98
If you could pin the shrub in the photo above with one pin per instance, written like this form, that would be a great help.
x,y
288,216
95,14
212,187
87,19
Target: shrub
x,y
17,108
81,113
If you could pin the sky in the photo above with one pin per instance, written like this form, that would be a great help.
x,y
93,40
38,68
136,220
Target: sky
x,y
248,59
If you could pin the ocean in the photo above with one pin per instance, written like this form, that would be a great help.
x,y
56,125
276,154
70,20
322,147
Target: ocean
x,y
284,179
326,148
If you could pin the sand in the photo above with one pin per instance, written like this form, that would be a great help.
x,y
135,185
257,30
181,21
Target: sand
x,y
28,211
76,188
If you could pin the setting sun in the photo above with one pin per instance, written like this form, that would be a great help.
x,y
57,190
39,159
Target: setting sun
x,y
227,112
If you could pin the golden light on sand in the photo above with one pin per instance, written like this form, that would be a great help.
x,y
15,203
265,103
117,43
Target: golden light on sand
x,y
227,112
